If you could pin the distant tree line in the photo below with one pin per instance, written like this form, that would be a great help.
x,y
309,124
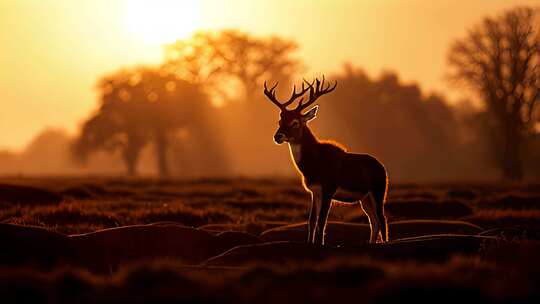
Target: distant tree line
x,y
414,135
163,105
202,109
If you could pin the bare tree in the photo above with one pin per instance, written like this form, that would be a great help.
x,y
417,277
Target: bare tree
x,y
499,59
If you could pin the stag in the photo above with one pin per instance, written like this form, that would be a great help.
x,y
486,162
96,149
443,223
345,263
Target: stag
x,y
328,171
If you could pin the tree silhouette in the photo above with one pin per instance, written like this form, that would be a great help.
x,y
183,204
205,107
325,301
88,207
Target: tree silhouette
x,y
253,60
232,66
500,60
140,106
116,126
194,59
217,59
414,135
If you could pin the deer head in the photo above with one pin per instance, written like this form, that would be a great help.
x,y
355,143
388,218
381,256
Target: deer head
x,y
292,122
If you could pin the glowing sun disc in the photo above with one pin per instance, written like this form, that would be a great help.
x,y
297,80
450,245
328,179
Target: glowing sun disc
x,y
162,21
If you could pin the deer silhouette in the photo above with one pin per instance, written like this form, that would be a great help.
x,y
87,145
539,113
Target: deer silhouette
x,y
328,171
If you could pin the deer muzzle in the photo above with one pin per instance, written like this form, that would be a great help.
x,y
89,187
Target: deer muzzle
x,y
279,138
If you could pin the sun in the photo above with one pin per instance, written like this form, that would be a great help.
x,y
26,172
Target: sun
x,y
162,21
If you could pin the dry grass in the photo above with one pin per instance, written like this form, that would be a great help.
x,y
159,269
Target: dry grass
x,y
508,272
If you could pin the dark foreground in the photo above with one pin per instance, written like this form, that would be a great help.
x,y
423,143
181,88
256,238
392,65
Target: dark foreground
x,y
241,241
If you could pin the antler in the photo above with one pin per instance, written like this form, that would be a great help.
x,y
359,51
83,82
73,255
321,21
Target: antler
x,y
271,94
316,92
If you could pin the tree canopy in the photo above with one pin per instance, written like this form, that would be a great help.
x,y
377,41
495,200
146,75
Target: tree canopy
x,y
139,106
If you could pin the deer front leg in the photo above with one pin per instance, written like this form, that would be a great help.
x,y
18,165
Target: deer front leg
x,y
316,196
326,203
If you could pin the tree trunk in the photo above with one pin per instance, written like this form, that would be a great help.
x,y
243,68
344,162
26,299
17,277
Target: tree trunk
x,y
161,154
131,157
131,167
511,161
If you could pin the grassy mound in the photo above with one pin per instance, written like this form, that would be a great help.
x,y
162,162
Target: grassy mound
x,y
27,195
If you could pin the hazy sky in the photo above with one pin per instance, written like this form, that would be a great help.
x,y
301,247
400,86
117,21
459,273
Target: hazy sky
x,y
53,51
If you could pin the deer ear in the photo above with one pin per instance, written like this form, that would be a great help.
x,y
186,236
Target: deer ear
x,y
312,113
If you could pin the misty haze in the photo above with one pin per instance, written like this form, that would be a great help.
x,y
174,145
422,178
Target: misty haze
x,y
243,151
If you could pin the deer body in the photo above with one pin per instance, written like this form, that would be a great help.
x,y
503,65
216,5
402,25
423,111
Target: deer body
x,y
328,171
350,172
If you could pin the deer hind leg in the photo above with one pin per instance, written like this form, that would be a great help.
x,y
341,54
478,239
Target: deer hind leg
x,y
316,198
369,205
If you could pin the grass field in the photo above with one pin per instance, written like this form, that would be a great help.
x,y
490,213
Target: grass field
x,y
241,240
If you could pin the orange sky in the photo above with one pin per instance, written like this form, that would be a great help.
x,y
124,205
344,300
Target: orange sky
x,y
53,51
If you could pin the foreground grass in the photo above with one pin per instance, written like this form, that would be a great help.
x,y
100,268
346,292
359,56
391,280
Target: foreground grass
x,y
505,273
363,279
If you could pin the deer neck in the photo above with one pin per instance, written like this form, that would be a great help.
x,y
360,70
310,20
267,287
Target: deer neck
x,y
303,146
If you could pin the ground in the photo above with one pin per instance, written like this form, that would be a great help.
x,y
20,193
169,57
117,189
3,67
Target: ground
x,y
242,240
